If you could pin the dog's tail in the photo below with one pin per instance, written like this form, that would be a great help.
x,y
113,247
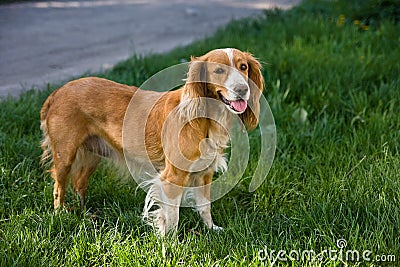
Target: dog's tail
x,y
46,144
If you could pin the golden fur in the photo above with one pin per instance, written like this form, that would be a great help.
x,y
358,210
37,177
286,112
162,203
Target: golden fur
x,y
82,122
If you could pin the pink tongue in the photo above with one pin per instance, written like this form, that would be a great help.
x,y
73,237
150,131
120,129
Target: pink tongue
x,y
239,105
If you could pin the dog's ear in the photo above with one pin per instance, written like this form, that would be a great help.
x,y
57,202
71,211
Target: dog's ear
x,y
192,101
256,84
196,81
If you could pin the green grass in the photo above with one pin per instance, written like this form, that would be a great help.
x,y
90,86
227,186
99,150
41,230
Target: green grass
x,y
336,174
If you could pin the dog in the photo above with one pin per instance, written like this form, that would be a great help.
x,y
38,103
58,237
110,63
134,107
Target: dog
x,y
84,120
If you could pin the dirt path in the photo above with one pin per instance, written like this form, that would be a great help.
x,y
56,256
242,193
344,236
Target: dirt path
x,y
42,42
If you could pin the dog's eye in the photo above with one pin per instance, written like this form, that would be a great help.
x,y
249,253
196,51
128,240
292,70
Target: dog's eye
x,y
219,71
243,67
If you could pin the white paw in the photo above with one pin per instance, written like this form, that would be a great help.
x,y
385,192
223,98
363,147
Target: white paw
x,y
216,228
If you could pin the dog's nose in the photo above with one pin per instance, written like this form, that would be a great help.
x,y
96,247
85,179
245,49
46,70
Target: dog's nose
x,y
241,90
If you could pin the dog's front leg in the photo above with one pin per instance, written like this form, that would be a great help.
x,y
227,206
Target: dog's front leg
x,y
165,197
203,202
172,195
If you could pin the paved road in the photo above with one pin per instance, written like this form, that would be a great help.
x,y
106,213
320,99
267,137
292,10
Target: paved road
x,y
42,42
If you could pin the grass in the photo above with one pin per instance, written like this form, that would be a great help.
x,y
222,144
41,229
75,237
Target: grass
x,y
335,175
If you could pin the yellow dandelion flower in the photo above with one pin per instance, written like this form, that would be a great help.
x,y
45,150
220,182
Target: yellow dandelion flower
x,y
356,22
364,27
341,20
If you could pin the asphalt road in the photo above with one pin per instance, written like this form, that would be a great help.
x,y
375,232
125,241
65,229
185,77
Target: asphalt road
x,y
51,41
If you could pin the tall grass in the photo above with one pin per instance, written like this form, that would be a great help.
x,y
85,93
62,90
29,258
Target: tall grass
x,y
332,81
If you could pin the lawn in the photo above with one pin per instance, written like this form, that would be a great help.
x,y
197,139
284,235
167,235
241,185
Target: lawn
x,y
333,84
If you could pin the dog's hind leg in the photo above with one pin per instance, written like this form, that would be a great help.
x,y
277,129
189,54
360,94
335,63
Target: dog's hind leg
x,y
84,165
60,173
64,147
60,183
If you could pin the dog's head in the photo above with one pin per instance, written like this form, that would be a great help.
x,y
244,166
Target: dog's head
x,y
230,76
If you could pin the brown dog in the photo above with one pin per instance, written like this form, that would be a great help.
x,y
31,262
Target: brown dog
x,y
83,121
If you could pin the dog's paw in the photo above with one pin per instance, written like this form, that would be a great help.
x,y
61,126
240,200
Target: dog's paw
x,y
216,228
